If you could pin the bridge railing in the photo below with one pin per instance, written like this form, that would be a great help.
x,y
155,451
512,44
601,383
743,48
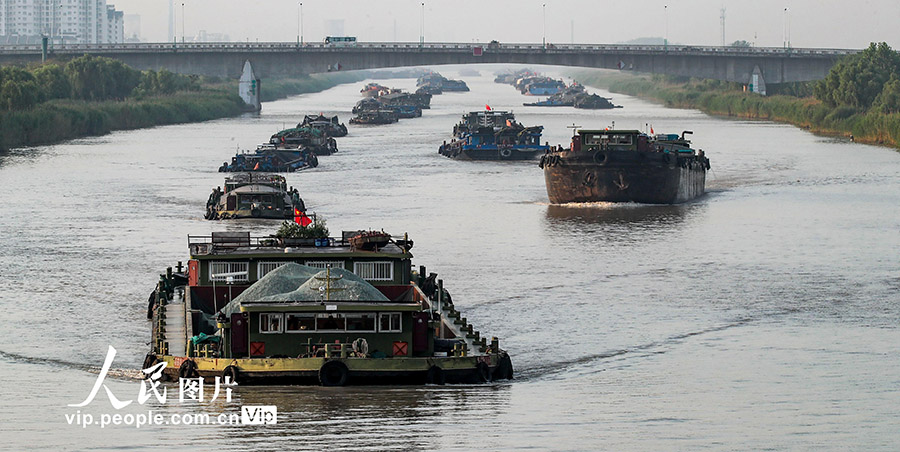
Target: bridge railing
x,y
30,49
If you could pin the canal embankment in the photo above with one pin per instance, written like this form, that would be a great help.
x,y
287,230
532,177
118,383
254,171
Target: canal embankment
x,y
859,99
91,96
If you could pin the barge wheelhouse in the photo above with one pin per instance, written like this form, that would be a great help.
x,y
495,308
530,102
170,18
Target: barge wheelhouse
x,y
317,311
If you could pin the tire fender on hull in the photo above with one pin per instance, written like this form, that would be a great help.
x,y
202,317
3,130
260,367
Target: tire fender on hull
x,y
333,373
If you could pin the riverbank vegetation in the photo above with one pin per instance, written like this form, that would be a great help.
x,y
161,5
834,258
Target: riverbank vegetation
x,y
89,96
859,98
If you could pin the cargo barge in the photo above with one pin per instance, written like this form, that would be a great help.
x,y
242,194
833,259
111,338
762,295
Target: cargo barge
x,y
327,311
625,166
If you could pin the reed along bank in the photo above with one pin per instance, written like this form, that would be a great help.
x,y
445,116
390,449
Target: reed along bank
x,y
859,98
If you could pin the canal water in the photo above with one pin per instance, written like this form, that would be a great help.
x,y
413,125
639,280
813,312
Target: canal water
x,y
762,316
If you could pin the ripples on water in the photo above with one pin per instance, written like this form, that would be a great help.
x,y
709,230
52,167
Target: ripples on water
x,y
762,315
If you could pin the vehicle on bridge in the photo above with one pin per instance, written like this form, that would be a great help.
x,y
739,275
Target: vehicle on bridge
x,y
606,165
340,41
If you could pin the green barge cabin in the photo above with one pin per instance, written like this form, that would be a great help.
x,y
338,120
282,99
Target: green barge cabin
x,y
313,311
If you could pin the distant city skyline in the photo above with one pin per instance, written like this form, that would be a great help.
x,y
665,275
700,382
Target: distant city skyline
x,y
768,23
84,22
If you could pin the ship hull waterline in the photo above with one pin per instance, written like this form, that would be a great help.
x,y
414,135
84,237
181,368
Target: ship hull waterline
x,y
674,182
361,371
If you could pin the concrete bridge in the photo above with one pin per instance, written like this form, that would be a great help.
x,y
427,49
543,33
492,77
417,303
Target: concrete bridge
x,y
748,65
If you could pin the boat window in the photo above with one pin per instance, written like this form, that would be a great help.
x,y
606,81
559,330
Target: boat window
x,y
220,271
330,322
270,323
325,264
389,322
620,139
294,323
361,322
374,271
594,139
264,267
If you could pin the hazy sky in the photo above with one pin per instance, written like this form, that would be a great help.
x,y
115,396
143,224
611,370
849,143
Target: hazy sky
x,y
831,24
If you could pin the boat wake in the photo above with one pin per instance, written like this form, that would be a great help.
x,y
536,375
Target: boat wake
x,y
115,373
554,369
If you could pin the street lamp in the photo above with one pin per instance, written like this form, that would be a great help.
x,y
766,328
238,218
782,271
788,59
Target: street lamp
x,y
784,28
666,39
182,22
789,29
300,23
544,18
422,35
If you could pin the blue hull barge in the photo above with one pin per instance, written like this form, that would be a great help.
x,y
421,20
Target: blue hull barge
x,y
493,135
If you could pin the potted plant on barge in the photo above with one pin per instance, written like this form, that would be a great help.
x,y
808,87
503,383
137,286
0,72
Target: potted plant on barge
x,y
293,234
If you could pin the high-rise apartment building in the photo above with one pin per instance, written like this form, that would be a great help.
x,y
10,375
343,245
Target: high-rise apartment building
x,y
69,21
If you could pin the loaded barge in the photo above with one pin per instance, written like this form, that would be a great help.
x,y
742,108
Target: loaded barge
x,y
493,135
625,166
249,195
327,311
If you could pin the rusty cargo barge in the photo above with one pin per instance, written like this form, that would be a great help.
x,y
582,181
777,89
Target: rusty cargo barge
x,y
625,166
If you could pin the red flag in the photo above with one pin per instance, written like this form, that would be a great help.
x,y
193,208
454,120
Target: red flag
x,y
301,218
256,167
487,107
651,130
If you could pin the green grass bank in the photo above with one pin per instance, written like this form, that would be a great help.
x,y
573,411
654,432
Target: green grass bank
x,y
729,99
58,120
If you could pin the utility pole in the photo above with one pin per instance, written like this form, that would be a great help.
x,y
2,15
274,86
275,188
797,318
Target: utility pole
x,y
723,27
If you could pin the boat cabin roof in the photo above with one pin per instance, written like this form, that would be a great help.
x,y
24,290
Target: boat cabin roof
x,y
241,244
609,132
327,306
255,189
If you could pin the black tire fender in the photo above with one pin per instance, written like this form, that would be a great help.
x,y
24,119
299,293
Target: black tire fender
x,y
482,373
188,369
232,373
333,373
435,376
504,368
601,158
149,361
